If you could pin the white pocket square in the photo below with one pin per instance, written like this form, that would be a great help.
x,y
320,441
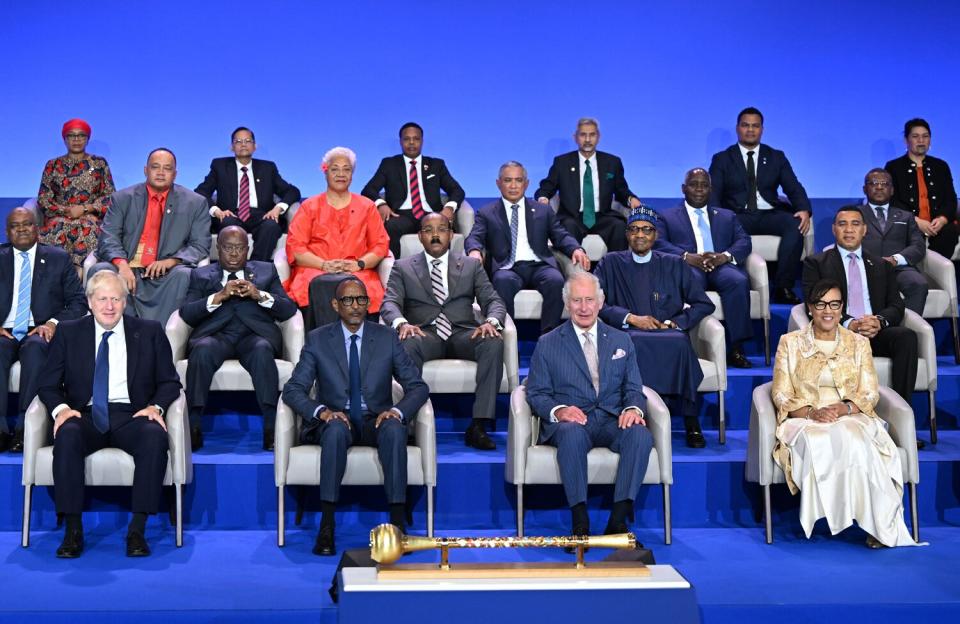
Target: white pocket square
x,y
619,354
432,175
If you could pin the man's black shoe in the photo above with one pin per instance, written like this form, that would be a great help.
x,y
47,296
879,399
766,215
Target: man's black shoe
x,y
737,359
785,295
477,438
137,545
325,545
268,439
196,439
72,545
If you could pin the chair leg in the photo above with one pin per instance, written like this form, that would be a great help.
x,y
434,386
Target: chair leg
x,y
27,494
933,417
914,513
767,515
956,340
178,488
280,516
519,510
723,417
667,517
766,342
429,511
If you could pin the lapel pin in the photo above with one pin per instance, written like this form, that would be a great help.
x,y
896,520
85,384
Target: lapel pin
x,y
258,180
573,169
42,261
169,211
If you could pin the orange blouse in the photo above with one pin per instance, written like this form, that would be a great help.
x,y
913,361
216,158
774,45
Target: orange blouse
x,y
332,234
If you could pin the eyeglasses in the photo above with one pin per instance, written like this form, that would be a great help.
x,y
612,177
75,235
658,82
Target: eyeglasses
x,y
646,229
242,141
232,248
878,184
439,230
360,300
833,305
76,135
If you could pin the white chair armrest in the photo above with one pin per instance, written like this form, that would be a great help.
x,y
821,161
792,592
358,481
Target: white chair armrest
x,y
293,336
464,218
798,318
178,333
178,434
425,433
518,436
759,280
384,268
710,343
37,430
511,357
902,428
658,422
943,274
760,467
280,262
926,343
284,439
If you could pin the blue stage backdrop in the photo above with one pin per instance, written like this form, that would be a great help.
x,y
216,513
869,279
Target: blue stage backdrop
x,y
489,81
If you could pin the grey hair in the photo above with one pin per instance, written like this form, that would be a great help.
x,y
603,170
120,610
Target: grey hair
x,y
341,152
579,275
105,275
511,163
592,121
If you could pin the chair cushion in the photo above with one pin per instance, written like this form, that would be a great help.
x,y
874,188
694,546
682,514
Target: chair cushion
x,y
454,376
232,377
527,305
109,466
13,384
756,311
594,247
363,466
542,466
937,305
883,366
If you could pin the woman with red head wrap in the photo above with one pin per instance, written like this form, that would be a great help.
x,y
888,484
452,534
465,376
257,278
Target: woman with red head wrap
x,y
74,194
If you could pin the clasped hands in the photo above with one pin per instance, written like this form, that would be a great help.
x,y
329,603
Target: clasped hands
x,y
237,288
648,322
572,413
867,326
339,266
150,412
157,268
931,228
829,413
707,261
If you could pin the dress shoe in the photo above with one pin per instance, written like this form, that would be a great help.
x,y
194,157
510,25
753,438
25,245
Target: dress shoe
x,y
325,545
695,437
477,438
137,545
920,445
785,295
196,439
72,545
577,530
737,359
5,440
268,439
873,543
17,445
616,528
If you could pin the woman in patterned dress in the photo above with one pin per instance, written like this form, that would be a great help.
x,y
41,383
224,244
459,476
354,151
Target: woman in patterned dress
x,y
74,195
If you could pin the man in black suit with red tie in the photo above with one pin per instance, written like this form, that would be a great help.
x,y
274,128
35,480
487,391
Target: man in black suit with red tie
x,y
587,181
245,188
411,183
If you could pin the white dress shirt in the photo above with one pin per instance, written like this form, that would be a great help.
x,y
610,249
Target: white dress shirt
x,y
845,256
761,202
596,180
267,301
17,267
524,252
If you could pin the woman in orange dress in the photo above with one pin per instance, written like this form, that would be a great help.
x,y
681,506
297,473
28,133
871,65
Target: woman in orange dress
x,y
336,232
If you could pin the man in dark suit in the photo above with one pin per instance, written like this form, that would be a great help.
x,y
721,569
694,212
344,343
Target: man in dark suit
x,y
714,244
923,185
153,234
892,234
585,387
245,187
874,308
587,181
234,307
655,297
108,382
514,232
351,365
746,177
411,183
38,289
429,302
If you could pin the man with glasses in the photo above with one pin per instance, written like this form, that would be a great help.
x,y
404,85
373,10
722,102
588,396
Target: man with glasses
x,y
351,366
874,308
234,306
246,188
893,235
429,302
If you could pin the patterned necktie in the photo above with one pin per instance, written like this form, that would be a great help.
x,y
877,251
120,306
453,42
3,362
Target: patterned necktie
x,y
444,328
243,201
416,205
751,182
589,210
704,228
22,320
356,400
514,230
854,288
593,361
881,218
101,385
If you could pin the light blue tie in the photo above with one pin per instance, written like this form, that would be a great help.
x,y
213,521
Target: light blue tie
x,y
514,230
704,231
22,321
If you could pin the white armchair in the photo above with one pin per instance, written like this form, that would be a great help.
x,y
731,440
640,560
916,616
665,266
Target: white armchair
x,y
942,295
530,463
756,269
710,344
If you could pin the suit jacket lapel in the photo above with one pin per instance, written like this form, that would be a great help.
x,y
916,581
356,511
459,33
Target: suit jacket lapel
x,y
6,277
576,350
169,214
686,225
872,221
423,273
368,349
139,218
337,348
232,185
604,352
132,338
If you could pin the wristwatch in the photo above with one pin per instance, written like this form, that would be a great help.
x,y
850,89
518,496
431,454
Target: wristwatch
x,y
884,323
361,264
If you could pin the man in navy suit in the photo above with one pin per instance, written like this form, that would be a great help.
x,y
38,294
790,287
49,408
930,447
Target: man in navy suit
x,y
587,181
234,307
746,177
245,188
655,297
411,183
514,232
351,365
585,387
715,245
108,382
38,289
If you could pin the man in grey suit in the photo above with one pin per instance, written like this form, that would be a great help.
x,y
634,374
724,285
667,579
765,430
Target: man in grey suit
x,y
429,301
153,234
585,387
893,235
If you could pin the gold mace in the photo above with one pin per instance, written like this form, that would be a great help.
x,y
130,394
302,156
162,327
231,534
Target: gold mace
x,y
388,544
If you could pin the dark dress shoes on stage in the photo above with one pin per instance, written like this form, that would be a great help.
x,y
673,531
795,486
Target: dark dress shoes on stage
x,y
616,528
325,545
738,359
72,545
196,438
17,445
268,439
785,295
477,438
577,530
5,440
695,437
137,545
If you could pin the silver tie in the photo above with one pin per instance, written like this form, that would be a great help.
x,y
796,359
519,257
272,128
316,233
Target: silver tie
x,y
593,361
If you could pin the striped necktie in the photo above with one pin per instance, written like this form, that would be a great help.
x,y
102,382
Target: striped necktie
x,y
243,201
444,328
514,233
22,320
416,204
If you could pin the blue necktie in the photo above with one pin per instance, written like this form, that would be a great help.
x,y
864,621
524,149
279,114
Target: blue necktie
x,y
704,228
356,411
22,320
514,230
101,385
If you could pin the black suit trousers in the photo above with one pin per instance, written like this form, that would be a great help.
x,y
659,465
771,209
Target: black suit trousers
x,y
547,280
783,224
390,439
266,233
900,345
610,226
397,226
142,438
32,354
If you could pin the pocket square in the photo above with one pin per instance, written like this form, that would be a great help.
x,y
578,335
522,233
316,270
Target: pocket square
x,y
619,354
899,223
432,175
609,176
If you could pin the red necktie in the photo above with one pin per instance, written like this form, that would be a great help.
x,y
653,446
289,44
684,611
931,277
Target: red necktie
x,y
415,203
151,231
243,202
